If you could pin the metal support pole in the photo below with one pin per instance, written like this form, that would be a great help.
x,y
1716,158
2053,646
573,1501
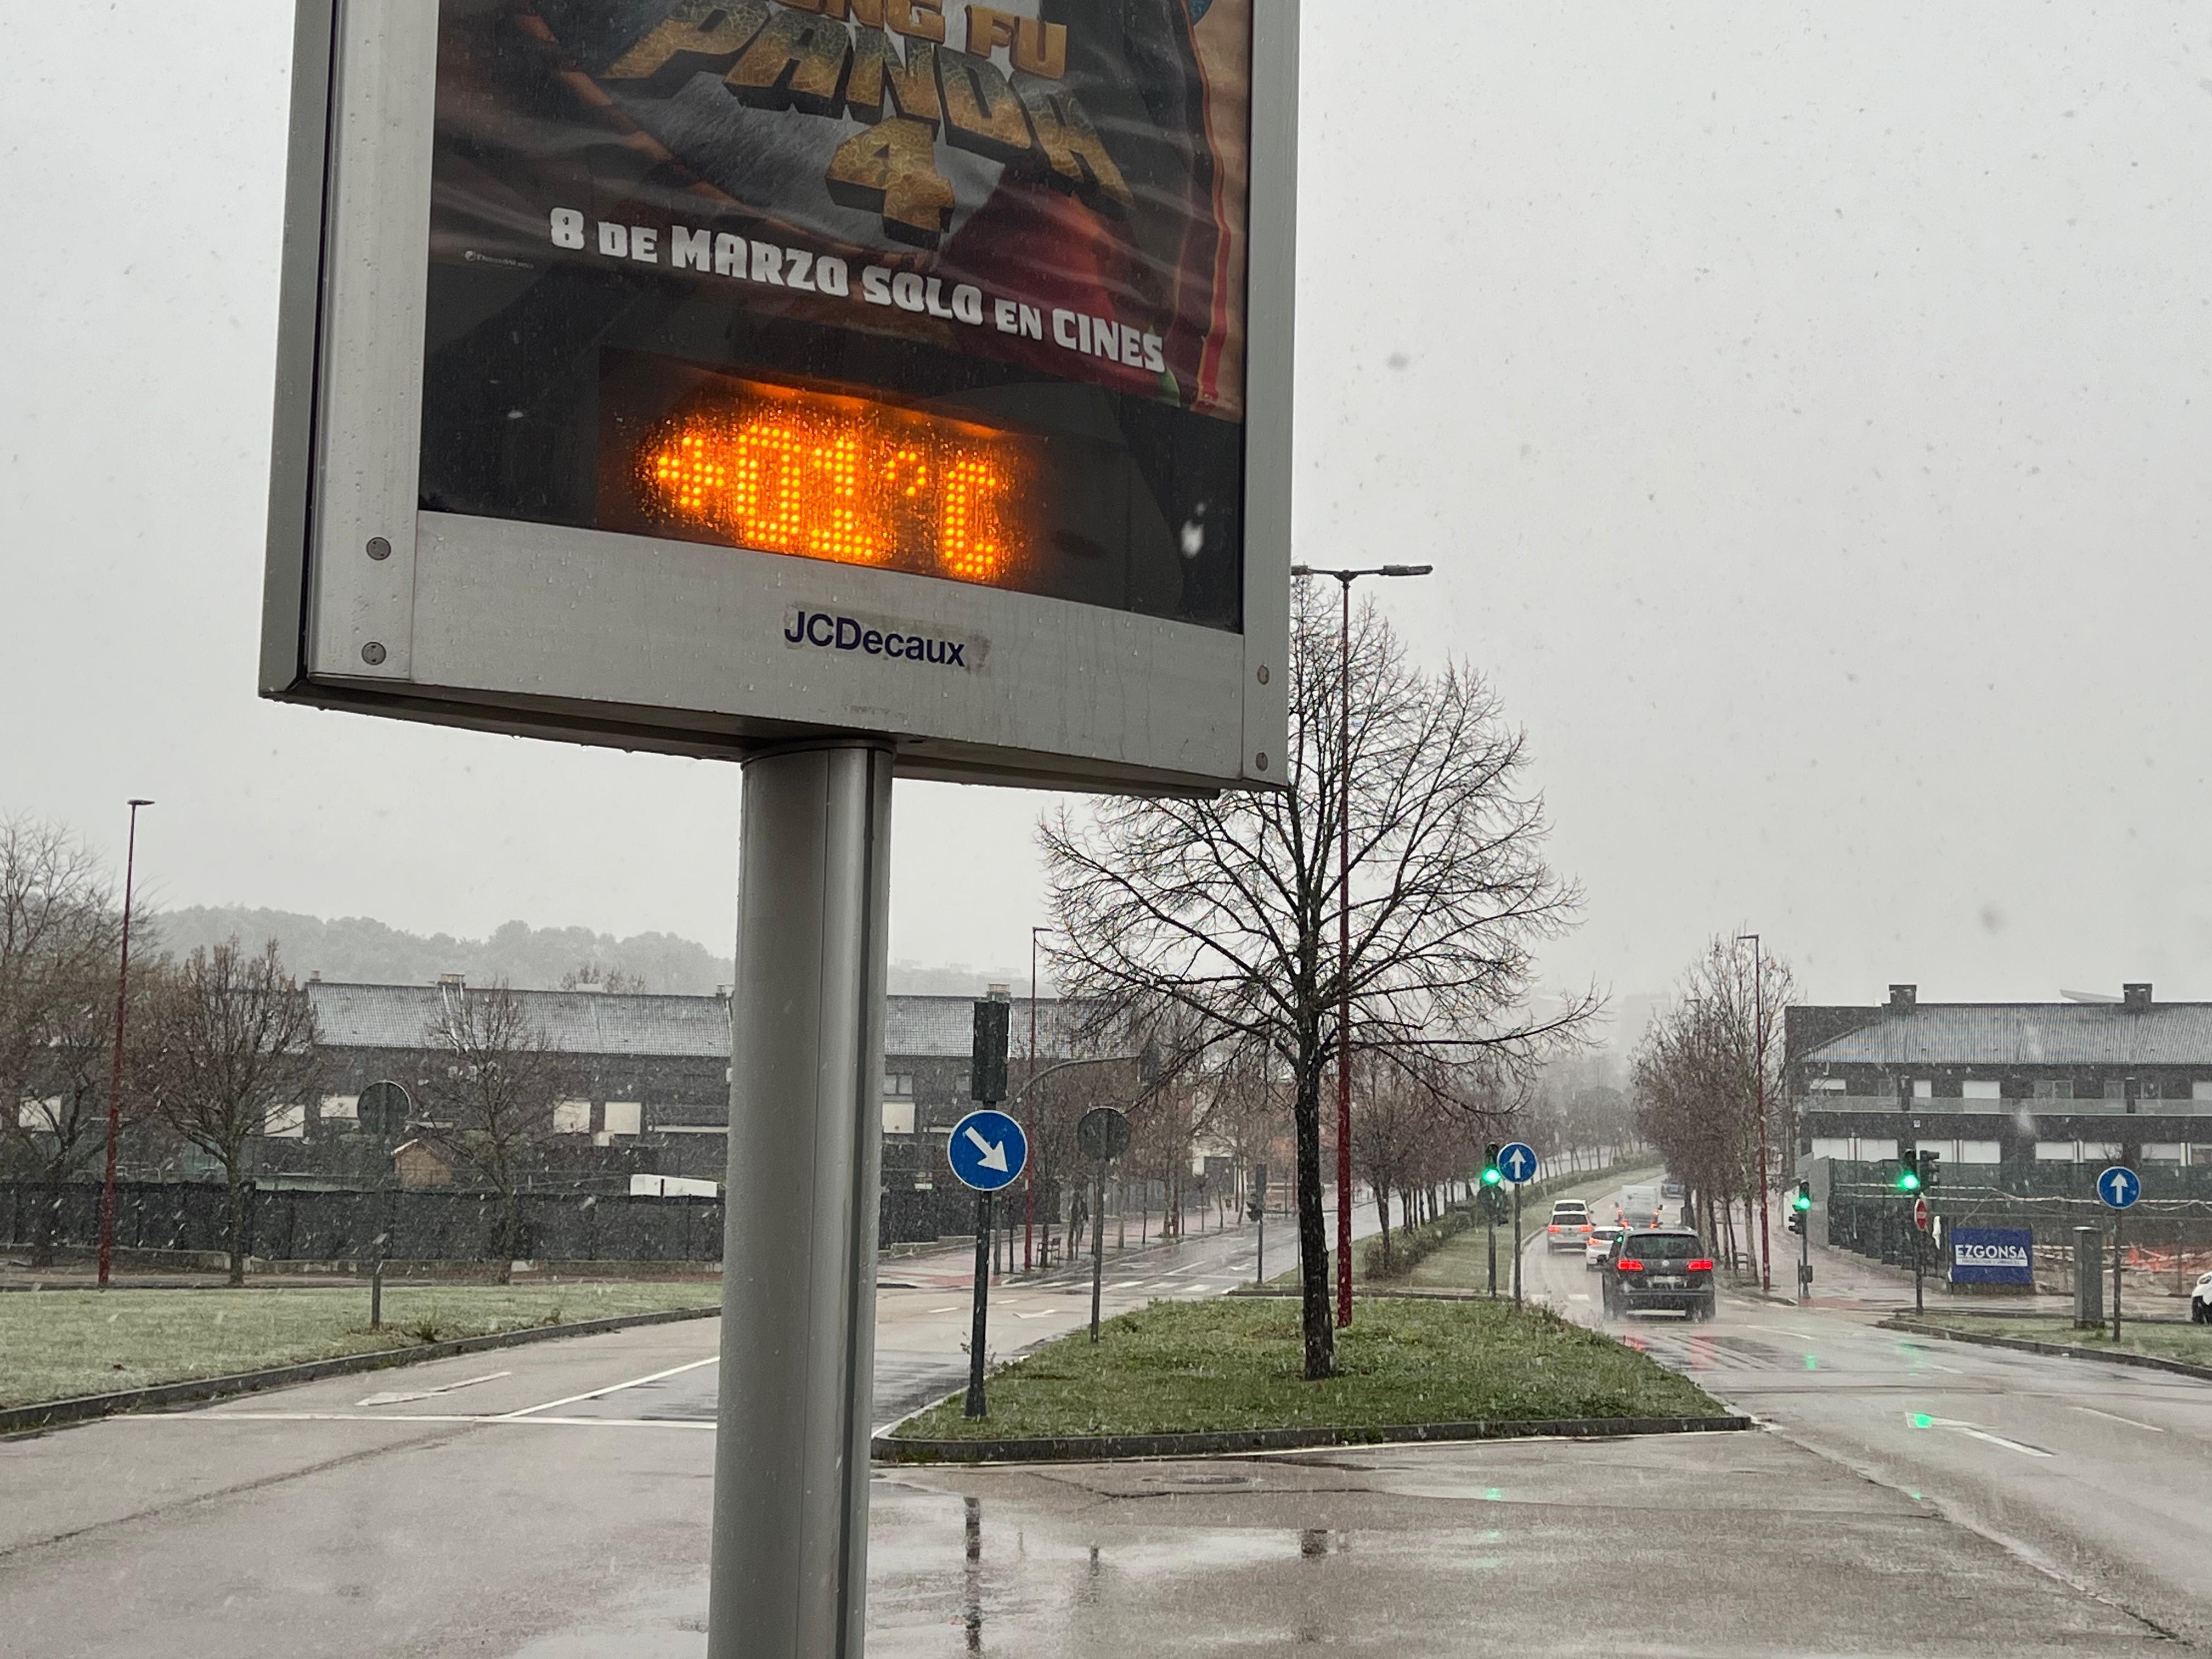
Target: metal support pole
x,y
1344,971
1919,1255
115,1075
2119,1254
979,1324
1491,1227
1097,1244
788,1572
1516,1243
1029,1123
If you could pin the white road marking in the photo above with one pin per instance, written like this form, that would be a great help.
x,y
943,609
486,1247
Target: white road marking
x,y
1976,1431
424,1393
950,1307
611,1388
2152,1427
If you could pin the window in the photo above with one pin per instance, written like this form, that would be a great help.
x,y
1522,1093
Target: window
x,y
898,1117
40,1115
572,1117
898,1085
341,1109
2053,1088
624,1117
1982,1088
1875,1152
1831,1147
1922,1088
2201,1088
2099,1151
2162,1151
2055,1151
1827,1085
286,1123
1979,1152
2116,1088
2200,1158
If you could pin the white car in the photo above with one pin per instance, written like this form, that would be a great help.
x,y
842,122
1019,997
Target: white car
x,y
2200,1300
1599,1245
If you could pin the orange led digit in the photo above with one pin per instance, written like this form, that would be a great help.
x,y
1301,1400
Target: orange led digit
x,y
839,478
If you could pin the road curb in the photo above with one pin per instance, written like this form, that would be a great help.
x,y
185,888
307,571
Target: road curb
x,y
1120,1448
2030,1344
85,1409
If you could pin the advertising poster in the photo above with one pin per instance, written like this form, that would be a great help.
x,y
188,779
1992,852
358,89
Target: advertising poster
x,y
1993,1255
952,289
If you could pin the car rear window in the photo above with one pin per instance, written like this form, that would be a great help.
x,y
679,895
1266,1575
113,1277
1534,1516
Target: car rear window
x,y
1565,1211
1671,1246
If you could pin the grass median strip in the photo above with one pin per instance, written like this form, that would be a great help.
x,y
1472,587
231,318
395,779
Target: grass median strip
x,y
1235,1364
57,1344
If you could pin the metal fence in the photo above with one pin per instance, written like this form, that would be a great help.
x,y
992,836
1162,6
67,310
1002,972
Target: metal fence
x,y
300,1224
2168,1240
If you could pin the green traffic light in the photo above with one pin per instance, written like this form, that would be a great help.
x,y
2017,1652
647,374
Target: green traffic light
x,y
1908,1181
1802,1202
1492,1175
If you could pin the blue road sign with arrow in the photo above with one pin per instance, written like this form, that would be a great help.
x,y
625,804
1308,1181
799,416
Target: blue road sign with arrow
x,y
987,1149
1518,1159
2119,1186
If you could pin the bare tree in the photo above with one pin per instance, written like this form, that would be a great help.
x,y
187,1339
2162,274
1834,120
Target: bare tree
x,y
1697,1081
58,942
1222,913
232,1045
492,1079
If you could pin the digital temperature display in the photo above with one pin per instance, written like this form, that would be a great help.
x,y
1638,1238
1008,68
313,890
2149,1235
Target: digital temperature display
x,y
852,480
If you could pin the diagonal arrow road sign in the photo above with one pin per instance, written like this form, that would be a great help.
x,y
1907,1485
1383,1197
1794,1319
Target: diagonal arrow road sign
x,y
994,1152
986,1149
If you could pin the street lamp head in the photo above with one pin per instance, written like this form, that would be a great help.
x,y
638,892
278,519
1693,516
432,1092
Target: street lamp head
x,y
1301,570
1406,570
135,801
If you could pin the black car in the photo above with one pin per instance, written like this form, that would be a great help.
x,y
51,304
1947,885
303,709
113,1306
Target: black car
x,y
1659,1269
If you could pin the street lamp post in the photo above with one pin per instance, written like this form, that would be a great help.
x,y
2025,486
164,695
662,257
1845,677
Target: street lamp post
x,y
1759,1065
1029,1112
115,1072
1344,580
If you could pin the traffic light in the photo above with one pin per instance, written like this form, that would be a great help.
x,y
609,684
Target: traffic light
x,y
1928,1162
1908,1171
1491,1175
986,1066
1800,1202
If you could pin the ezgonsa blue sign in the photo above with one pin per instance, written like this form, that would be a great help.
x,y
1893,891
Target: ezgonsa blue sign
x,y
1992,1256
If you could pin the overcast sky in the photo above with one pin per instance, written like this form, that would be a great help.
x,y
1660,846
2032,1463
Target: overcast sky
x,y
1805,410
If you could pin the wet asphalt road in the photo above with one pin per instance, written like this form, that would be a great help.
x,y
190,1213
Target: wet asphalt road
x,y
552,1502
2101,1474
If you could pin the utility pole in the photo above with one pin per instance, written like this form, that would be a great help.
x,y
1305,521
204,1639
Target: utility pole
x,y
1759,1044
115,1072
1345,578
1029,1113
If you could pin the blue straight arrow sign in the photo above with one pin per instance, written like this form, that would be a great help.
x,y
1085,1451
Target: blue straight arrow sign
x,y
2119,1186
1518,1159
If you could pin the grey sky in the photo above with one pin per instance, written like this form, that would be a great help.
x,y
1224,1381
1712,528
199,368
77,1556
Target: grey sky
x,y
1806,409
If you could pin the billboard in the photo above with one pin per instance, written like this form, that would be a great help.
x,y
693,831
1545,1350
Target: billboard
x,y
701,374
1992,1256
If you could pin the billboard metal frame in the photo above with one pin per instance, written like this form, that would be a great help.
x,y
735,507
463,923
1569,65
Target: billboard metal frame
x,y
374,605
